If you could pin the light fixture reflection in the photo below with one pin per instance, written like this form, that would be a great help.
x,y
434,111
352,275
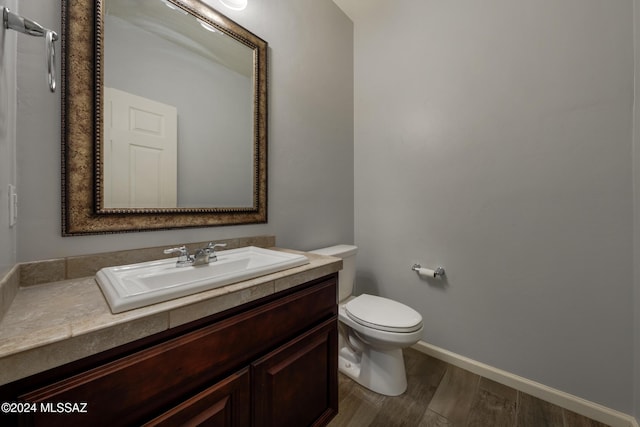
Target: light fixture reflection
x,y
169,5
235,4
206,26
174,7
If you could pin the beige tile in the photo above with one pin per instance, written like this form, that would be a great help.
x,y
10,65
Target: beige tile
x,y
260,241
42,306
211,306
288,280
88,265
40,359
9,286
24,339
36,273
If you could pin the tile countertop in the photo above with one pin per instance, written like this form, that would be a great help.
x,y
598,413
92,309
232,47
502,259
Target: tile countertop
x,y
55,323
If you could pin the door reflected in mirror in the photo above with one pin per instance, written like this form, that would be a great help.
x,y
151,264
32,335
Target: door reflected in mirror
x,y
178,110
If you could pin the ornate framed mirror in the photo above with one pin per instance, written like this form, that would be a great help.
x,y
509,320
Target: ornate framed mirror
x,y
164,121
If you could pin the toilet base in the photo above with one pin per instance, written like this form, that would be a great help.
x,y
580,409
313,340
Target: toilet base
x,y
381,371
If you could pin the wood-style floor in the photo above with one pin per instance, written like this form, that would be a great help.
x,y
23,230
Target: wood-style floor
x,y
439,394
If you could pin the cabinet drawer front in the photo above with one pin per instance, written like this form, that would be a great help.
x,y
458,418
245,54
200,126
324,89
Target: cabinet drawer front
x,y
225,404
140,386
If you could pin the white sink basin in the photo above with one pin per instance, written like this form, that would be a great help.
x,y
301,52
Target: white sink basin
x,y
135,285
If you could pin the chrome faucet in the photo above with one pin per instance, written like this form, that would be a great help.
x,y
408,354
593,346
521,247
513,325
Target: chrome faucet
x,y
211,251
184,259
201,257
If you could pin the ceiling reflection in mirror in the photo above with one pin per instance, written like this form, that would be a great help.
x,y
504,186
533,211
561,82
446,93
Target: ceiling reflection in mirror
x,y
178,110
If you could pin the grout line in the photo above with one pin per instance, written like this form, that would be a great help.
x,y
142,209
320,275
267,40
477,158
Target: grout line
x,y
517,414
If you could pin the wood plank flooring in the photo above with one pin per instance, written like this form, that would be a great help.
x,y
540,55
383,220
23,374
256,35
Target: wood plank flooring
x,y
443,395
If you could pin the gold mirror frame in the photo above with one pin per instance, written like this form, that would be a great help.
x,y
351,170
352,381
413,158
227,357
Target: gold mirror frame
x,y
82,70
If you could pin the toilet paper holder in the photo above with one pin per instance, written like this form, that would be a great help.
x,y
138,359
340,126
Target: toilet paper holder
x,y
438,272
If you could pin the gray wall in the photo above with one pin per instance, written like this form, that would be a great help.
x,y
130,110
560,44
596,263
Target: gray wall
x,y
8,51
310,136
495,138
636,216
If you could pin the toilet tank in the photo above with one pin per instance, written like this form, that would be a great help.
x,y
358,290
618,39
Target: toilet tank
x,y
346,276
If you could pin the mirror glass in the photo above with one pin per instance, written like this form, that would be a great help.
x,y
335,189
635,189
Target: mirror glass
x,y
177,110
164,117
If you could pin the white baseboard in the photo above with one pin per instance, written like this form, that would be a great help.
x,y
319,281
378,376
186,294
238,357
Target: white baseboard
x,y
573,403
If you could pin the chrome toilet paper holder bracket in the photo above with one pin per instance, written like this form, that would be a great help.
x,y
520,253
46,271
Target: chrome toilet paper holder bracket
x,y
438,272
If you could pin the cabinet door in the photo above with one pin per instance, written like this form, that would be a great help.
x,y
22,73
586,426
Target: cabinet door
x,y
225,404
297,384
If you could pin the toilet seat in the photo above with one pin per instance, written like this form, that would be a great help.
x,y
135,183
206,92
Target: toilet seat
x,y
383,314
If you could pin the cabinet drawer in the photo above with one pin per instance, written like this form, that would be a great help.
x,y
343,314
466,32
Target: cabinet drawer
x,y
140,386
225,404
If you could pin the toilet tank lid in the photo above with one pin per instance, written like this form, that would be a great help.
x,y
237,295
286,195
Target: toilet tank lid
x,y
341,251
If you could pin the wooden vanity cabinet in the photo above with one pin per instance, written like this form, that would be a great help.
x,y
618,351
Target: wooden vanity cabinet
x,y
271,363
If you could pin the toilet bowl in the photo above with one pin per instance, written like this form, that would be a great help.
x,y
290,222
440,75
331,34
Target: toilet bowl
x,y
372,332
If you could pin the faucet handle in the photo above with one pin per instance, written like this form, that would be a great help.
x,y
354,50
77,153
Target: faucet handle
x,y
182,250
183,258
211,250
212,246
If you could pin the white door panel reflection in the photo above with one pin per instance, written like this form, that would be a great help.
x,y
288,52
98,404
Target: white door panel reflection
x,y
140,151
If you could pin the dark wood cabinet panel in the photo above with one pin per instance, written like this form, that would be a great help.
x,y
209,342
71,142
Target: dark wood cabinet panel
x,y
221,405
296,385
191,376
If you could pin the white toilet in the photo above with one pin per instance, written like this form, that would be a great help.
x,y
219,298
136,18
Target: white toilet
x,y
373,331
